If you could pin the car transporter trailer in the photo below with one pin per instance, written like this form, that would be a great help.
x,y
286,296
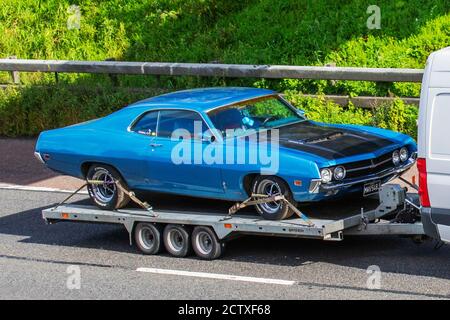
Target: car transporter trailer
x,y
395,213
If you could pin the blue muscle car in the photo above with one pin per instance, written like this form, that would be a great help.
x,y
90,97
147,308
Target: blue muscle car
x,y
225,143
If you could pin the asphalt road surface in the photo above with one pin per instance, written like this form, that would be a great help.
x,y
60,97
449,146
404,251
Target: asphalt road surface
x,y
89,261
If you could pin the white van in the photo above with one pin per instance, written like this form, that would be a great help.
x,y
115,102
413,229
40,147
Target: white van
x,y
434,146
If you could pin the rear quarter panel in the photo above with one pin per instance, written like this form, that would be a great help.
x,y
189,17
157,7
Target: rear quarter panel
x,y
105,140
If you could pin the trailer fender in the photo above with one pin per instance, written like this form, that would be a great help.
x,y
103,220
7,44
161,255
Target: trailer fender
x,y
129,226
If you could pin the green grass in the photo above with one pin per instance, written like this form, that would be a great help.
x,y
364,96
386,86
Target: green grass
x,y
297,32
396,116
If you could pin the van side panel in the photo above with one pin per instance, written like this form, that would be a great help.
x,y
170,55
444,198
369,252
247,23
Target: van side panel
x,y
434,142
438,142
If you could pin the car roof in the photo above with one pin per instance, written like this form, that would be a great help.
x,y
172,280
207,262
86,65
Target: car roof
x,y
203,99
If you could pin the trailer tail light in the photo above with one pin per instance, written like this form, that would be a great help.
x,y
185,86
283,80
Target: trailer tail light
x,y
423,186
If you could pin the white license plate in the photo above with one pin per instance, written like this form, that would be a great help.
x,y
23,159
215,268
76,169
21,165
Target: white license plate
x,y
371,188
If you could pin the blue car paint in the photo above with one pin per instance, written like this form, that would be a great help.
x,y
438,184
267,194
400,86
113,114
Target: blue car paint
x,y
204,99
107,140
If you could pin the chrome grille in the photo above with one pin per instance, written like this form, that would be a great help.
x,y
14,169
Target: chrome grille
x,y
370,166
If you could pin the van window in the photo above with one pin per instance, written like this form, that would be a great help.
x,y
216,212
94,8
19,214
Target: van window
x,y
440,126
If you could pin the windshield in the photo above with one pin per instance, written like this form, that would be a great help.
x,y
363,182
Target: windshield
x,y
267,112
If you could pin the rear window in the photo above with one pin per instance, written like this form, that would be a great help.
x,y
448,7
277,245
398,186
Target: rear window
x,y
147,124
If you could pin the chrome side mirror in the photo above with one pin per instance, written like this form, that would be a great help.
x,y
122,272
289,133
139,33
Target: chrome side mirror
x,y
206,137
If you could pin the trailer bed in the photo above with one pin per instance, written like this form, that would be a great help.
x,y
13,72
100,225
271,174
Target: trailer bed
x,y
327,222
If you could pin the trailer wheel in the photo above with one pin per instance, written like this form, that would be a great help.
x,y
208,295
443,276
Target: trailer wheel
x,y
206,244
148,237
177,240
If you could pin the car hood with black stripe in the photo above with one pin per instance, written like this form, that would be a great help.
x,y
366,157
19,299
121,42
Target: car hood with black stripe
x,y
330,142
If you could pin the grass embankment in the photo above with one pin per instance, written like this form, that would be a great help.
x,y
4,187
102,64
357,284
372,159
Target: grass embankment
x,y
305,32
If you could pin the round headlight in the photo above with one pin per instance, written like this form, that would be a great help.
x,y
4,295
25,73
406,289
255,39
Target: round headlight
x,y
396,157
339,173
326,175
404,154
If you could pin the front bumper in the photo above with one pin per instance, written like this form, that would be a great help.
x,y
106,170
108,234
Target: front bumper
x,y
386,175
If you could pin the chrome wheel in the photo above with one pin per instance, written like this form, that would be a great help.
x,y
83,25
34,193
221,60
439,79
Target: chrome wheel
x,y
204,243
104,192
269,188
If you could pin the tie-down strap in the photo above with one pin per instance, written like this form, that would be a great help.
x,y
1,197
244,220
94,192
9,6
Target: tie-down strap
x,y
255,199
130,194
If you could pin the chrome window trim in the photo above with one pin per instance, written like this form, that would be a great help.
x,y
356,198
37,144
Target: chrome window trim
x,y
129,128
157,123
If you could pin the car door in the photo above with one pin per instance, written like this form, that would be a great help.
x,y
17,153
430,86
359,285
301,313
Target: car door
x,y
173,163
137,149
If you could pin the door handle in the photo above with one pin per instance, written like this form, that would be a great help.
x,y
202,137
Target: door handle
x,y
155,145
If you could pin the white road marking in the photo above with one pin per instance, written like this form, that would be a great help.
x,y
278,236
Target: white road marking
x,y
33,188
216,276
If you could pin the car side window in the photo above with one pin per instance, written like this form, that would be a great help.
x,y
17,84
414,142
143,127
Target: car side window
x,y
171,120
147,124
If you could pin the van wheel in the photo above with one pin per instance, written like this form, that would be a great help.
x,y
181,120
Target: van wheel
x,y
206,244
272,185
148,238
177,240
107,195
